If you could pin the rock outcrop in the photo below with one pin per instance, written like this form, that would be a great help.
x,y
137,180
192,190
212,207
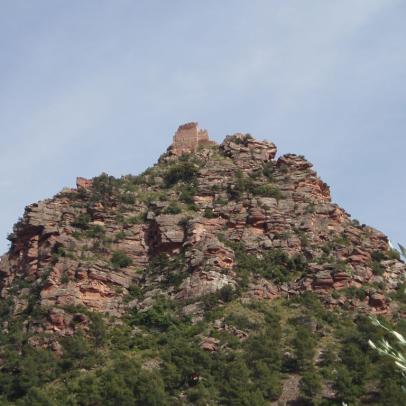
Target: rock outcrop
x,y
92,245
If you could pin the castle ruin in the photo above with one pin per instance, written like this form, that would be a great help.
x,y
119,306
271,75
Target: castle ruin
x,y
188,138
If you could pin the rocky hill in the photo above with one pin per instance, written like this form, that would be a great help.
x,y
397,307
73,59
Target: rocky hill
x,y
216,253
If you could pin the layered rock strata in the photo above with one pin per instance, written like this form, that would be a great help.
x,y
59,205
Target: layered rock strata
x,y
241,195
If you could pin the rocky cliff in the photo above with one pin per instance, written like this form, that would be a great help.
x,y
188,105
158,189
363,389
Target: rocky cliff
x,y
207,219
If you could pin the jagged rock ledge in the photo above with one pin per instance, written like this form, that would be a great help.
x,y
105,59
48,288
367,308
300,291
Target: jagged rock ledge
x,y
240,195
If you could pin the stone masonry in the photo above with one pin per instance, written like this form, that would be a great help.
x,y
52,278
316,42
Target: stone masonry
x,y
187,139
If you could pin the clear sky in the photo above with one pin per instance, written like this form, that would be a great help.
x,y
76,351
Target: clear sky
x,y
101,85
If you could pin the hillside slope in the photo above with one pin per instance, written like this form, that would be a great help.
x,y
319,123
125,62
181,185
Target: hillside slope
x,y
221,275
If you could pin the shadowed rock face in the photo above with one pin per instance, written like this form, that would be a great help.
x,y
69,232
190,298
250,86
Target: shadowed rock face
x,y
239,196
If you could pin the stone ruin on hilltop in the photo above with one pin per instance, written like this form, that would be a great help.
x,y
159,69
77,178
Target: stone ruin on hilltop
x,y
188,138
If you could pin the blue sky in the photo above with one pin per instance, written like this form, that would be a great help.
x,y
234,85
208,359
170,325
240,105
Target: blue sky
x,y
97,85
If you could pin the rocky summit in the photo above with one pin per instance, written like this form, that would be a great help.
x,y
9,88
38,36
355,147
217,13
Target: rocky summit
x,y
187,276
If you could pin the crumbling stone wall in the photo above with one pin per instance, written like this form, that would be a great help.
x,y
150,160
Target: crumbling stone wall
x,y
188,137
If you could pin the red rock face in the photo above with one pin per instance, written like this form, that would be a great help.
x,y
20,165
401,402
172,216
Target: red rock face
x,y
378,301
167,235
63,247
262,289
83,183
247,152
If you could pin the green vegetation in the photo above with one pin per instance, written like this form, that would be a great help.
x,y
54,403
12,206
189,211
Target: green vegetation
x,y
169,270
268,170
184,171
379,256
154,358
310,386
353,292
120,236
127,198
304,346
274,265
267,190
172,208
138,219
245,184
187,193
82,221
16,228
208,213
120,259
58,252
95,231
241,140
242,184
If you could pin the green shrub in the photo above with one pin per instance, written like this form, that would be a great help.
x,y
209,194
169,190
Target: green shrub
x,y
184,222
64,278
310,208
391,384
236,387
134,291
175,278
275,265
242,184
160,315
187,194
310,386
267,190
138,219
378,256
400,293
31,368
119,259
354,292
268,170
220,202
82,221
241,140
58,251
242,322
120,236
182,171
347,390
227,293
16,229
123,383
377,268
304,347
263,356
104,184
208,213
128,198
95,231
172,208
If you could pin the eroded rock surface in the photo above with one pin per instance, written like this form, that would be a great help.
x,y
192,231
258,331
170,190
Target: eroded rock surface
x,y
92,245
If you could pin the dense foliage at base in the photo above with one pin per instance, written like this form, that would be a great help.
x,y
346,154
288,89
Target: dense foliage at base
x,y
154,358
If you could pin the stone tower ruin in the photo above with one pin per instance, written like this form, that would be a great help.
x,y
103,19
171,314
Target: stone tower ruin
x,y
187,139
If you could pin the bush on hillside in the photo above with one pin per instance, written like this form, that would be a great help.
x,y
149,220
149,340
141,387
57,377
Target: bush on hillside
x,y
120,259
